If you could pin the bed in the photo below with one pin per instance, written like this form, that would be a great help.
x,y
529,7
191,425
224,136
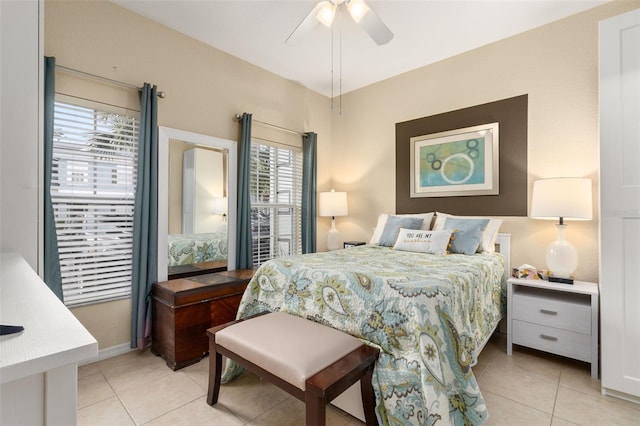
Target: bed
x,y
430,327
189,249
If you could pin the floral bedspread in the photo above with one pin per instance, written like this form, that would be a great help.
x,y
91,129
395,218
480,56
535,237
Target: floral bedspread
x,y
430,315
187,249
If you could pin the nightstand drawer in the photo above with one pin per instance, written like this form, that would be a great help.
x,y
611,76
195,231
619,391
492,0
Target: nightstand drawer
x,y
565,311
549,339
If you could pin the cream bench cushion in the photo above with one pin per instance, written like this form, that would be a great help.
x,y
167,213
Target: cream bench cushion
x,y
290,347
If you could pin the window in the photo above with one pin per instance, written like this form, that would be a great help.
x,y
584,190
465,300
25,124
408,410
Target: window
x,y
92,189
276,198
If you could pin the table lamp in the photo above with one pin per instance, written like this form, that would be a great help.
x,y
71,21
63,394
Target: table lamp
x,y
333,204
563,198
220,208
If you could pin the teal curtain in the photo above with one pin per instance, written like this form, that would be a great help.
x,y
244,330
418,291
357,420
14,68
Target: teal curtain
x,y
52,275
244,246
309,177
145,220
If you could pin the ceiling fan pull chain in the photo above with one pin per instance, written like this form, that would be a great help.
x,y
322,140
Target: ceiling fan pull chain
x,y
340,53
332,31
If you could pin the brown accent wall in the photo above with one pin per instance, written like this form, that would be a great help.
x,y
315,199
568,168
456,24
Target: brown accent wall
x,y
512,201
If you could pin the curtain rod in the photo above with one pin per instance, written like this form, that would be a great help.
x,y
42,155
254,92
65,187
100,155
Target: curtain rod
x,y
93,100
161,94
238,117
276,142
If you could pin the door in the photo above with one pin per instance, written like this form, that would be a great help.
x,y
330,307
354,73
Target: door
x,y
620,203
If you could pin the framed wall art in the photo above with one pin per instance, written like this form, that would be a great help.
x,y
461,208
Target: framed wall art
x,y
512,115
460,162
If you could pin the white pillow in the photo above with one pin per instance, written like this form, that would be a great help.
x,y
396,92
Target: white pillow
x,y
382,221
433,242
489,235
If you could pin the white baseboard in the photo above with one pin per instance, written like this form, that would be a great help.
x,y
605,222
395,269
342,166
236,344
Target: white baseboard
x,y
621,395
108,353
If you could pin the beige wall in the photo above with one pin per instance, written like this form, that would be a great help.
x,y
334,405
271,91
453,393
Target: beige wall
x,y
205,88
109,322
556,65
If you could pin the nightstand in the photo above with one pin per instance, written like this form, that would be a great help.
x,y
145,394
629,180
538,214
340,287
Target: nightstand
x,y
349,244
556,318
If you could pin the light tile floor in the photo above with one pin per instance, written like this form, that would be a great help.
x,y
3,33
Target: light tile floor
x,y
528,388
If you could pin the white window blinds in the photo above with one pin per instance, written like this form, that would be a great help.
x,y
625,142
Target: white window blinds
x,y
92,190
276,198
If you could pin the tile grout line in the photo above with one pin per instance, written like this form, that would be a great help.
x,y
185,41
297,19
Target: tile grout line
x,y
233,413
186,403
555,400
182,405
117,396
526,374
521,403
95,402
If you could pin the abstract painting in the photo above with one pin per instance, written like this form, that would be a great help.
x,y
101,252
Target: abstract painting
x,y
459,162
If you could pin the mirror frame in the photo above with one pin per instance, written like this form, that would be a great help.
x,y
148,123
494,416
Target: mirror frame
x,y
165,134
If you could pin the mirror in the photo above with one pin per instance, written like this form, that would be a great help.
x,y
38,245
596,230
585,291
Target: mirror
x,y
196,203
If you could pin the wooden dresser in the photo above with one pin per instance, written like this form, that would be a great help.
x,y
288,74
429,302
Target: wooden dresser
x,y
183,309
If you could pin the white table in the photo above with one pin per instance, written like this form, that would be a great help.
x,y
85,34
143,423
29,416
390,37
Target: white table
x,y
39,366
552,317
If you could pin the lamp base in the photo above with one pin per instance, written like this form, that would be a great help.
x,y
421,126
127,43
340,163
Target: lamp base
x,y
561,280
333,237
561,256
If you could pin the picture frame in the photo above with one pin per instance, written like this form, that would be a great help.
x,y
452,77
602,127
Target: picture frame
x,y
454,163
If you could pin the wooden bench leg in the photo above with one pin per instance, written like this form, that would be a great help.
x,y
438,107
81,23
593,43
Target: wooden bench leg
x,y
368,397
215,371
316,408
320,388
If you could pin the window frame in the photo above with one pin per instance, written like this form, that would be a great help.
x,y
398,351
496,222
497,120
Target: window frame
x,y
97,180
279,242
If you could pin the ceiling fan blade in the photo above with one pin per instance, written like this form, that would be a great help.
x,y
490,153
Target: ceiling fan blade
x,y
306,25
376,29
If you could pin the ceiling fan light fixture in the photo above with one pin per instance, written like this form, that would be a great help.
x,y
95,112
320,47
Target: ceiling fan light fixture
x,y
357,9
326,13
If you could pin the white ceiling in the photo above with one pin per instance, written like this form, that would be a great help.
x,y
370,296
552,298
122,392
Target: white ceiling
x,y
426,31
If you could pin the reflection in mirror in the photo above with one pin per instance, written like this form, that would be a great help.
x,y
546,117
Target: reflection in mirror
x,y
196,201
197,186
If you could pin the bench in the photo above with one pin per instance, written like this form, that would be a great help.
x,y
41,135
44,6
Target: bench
x,y
310,361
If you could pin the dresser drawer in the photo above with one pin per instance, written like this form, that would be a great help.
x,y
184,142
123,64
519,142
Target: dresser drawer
x,y
570,312
554,340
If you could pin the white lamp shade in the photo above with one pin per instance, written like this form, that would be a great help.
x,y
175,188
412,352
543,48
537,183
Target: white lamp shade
x,y
220,205
569,198
333,203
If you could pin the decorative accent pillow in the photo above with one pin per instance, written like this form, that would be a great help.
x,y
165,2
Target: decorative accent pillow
x,y
382,221
393,225
489,235
433,242
467,234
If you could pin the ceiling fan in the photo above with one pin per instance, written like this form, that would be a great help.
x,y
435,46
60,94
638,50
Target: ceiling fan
x,y
361,13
